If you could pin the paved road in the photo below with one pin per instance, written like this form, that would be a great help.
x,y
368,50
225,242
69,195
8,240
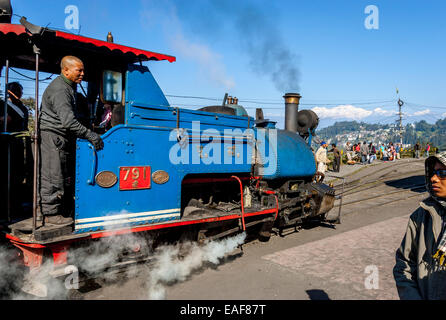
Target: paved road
x,y
354,260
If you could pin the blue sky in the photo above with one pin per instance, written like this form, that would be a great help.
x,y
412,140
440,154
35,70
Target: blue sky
x,y
257,50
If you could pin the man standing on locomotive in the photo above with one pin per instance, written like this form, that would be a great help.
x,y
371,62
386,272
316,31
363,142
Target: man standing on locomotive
x,y
59,130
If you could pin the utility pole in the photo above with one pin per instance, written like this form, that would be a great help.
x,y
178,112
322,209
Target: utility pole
x,y
400,104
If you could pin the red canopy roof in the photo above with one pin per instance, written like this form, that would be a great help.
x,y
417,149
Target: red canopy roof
x,y
112,46
139,55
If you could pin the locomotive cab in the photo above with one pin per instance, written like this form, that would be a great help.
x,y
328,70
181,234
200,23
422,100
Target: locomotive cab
x,y
32,54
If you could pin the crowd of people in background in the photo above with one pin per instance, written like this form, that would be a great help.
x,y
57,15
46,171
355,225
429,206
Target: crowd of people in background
x,y
366,153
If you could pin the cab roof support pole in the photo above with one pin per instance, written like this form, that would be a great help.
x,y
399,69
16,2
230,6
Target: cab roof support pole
x,y
5,129
36,135
5,118
9,180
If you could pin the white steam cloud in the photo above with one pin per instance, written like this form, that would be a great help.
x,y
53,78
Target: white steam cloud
x,y
167,264
171,267
165,13
209,61
17,283
9,280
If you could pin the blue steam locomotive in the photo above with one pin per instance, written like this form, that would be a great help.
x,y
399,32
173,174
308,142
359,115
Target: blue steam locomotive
x,y
163,170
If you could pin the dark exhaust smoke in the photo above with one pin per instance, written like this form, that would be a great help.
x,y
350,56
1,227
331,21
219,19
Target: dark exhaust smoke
x,y
268,54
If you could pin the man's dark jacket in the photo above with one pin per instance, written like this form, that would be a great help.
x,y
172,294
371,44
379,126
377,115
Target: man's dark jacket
x,y
57,109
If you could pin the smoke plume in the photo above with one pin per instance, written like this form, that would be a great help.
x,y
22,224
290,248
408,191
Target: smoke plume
x,y
238,25
210,62
256,35
267,52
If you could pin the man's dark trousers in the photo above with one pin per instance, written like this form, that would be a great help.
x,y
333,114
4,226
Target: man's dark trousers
x,y
336,164
56,182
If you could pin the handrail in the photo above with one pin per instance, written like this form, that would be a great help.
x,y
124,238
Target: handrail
x,y
36,136
93,167
241,195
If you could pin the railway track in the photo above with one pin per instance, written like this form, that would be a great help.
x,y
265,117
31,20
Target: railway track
x,y
411,188
372,176
367,185
382,183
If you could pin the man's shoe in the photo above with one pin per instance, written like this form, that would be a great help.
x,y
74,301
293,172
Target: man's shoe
x,y
58,220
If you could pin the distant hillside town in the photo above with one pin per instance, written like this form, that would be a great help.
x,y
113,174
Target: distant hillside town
x,y
354,131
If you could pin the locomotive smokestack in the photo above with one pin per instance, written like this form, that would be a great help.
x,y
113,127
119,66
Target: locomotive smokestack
x,y
291,109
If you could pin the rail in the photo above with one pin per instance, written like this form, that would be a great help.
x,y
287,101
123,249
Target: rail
x,y
94,165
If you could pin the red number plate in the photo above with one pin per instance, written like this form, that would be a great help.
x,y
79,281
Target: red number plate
x,y
132,178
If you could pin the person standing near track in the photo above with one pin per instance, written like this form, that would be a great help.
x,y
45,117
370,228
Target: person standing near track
x,y
349,151
385,156
381,150
337,158
428,149
364,152
398,151
372,153
392,151
322,160
417,150
420,269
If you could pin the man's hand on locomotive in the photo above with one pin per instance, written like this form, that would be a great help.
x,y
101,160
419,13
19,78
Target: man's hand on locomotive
x,y
95,139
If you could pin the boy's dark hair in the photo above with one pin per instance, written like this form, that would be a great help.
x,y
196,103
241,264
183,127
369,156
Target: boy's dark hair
x,y
15,87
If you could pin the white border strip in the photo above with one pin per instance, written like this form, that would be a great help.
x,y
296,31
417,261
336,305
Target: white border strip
x,y
125,221
126,215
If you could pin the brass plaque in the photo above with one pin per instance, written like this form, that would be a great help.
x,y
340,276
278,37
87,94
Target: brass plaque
x,y
160,176
106,179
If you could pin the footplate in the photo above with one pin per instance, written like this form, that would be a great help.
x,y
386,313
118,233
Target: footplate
x,y
50,232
